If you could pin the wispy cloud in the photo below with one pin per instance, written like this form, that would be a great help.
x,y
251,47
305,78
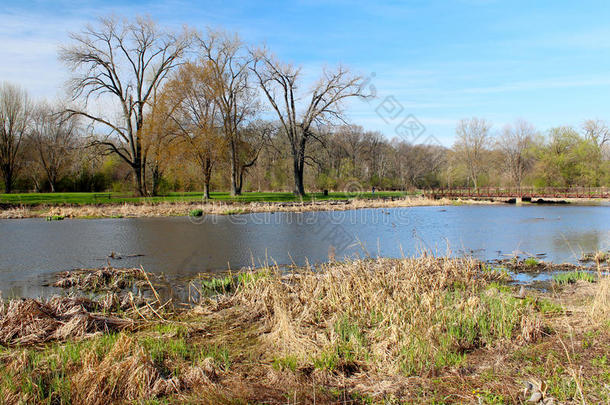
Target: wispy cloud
x,y
533,85
441,61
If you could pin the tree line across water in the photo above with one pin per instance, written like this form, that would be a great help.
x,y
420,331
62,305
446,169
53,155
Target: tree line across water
x,y
157,110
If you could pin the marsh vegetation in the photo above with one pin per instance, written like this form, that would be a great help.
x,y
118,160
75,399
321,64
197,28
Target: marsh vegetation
x,y
423,329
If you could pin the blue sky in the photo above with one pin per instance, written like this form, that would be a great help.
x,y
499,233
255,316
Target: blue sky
x,y
547,61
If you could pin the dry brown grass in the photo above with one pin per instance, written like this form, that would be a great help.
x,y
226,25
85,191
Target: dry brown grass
x,y
416,330
128,373
600,306
393,316
107,278
24,322
18,213
218,208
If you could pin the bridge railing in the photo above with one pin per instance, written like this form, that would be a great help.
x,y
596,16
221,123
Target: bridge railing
x,y
521,192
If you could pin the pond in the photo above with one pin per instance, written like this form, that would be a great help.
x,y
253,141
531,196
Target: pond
x,y
31,250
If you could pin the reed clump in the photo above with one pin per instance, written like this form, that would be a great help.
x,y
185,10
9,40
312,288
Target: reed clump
x,y
599,257
110,368
600,306
416,330
163,209
104,279
409,316
29,321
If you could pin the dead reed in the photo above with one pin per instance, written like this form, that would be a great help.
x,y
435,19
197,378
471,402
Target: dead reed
x,y
407,316
25,322
104,279
218,208
415,330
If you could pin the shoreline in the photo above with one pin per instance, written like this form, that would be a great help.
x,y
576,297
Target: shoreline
x,y
426,329
167,209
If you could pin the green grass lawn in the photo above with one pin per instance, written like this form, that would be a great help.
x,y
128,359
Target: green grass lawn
x,y
119,198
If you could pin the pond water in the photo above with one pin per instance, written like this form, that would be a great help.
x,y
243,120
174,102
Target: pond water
x,y
31,250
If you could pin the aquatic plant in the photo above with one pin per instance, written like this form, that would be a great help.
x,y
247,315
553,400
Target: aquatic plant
x,y
571,277
230,282
196,212
218,285
531,262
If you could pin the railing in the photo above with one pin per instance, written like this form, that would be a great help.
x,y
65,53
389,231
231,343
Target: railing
x,y
520,192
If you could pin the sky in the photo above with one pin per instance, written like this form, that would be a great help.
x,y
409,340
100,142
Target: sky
x,y
430,63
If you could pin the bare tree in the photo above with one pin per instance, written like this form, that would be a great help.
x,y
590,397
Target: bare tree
x,y
514,143
597,131
195,117
53,137
258,134
14,123
352,137
279,82
126,60
227,61
473,138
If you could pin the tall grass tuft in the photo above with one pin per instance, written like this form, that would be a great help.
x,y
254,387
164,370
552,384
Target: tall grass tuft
x,y
571,277
600,307
396,316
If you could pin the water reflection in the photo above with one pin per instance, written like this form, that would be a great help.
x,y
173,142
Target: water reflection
x,y
31,250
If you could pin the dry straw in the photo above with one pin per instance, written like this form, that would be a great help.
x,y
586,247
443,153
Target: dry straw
x,y
217,208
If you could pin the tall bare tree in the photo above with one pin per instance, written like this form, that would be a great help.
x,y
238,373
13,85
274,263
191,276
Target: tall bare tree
x,y
256,136
126,60
279,82
473,138
228,61
515,143
15,112
195,117
53,139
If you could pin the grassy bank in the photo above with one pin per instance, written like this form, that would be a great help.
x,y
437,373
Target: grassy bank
x,y
35,199
428,330
146,208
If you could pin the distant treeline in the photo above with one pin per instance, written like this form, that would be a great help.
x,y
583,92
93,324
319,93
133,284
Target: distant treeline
x,y
154,110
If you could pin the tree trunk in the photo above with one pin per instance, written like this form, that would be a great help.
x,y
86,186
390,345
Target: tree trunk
x,y
299,164
299,188
298,156
156,180
206,190
207,176
235,187
137,172
7,174
240,182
